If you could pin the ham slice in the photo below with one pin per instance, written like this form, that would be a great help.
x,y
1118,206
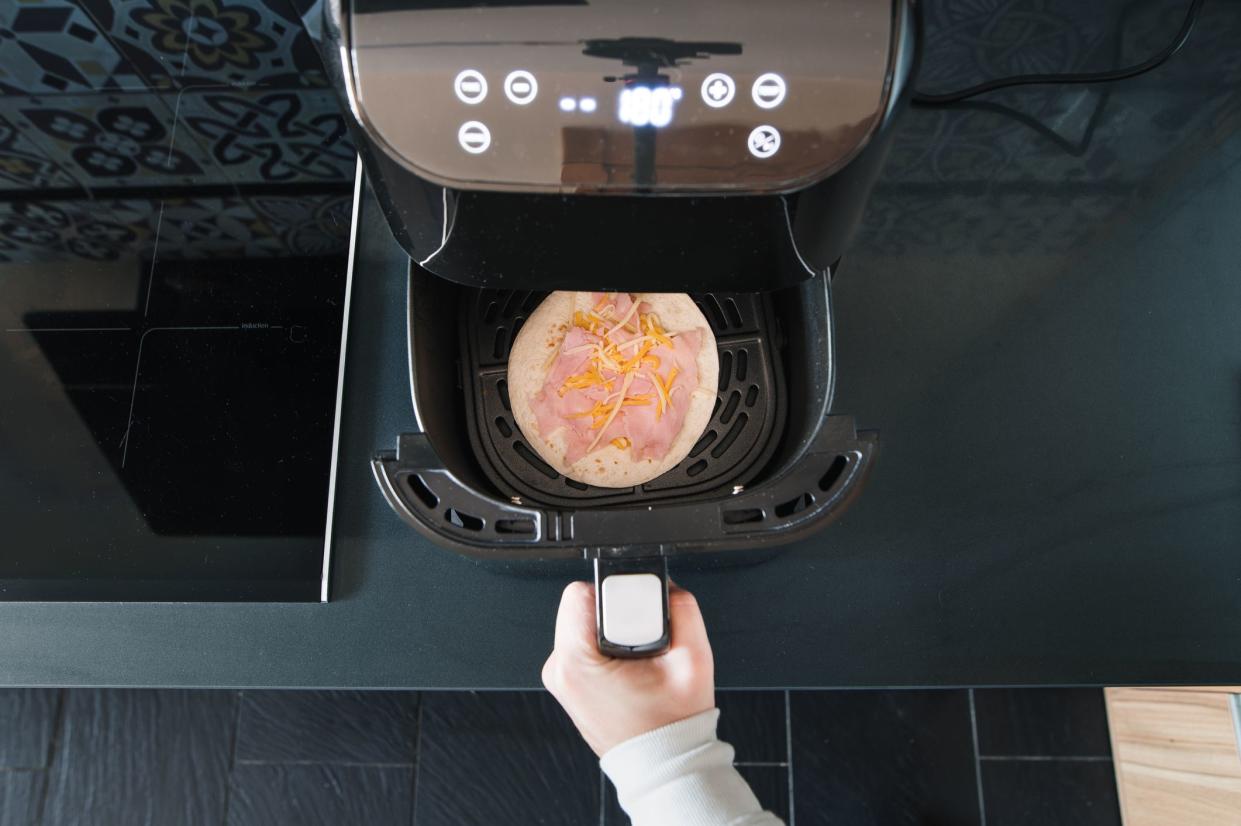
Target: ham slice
x,y
649,430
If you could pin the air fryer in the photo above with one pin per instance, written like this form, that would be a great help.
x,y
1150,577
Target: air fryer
x,y
722,149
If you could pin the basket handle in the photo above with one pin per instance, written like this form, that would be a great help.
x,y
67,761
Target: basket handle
x,y
631,605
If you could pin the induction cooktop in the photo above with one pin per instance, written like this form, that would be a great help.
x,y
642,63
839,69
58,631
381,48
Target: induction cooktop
x,y
169,401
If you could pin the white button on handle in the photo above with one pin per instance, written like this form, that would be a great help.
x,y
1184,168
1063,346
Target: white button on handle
x,y
633,609
632,606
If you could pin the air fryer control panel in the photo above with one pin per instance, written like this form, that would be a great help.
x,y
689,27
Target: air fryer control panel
x,y
620,95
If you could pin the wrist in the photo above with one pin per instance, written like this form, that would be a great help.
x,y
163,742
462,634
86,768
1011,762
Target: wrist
x,y
661,744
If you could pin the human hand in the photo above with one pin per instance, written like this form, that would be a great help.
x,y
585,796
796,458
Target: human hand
x,y
611,700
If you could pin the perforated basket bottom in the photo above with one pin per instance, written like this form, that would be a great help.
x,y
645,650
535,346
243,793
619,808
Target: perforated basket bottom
x,y
740,438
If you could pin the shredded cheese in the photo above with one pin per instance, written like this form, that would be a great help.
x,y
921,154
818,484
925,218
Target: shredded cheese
x,y
627,360
611,416
662,398
633,308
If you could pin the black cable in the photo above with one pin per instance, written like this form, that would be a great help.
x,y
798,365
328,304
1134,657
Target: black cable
x,y
1076,150
1156,60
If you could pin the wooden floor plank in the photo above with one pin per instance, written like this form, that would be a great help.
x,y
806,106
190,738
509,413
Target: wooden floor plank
x,y
1176,756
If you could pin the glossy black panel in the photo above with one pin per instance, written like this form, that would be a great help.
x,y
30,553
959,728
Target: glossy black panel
x,y
27,722
154,399
1066,793
192,397
537,242
327,727
516,753
1042,722
486,236
880,757
696,97
320,795
142,757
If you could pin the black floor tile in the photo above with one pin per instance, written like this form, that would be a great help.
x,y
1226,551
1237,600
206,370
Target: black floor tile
x,y
19,796
1042,722
502,757
142,757
883,757
266,794
27,723
328,727
771,787
1061,792
753,722
613,814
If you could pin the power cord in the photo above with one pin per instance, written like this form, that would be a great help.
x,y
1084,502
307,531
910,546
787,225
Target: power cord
x,y
1156,60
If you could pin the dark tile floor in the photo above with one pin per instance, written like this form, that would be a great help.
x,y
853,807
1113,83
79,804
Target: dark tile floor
x,y
986,757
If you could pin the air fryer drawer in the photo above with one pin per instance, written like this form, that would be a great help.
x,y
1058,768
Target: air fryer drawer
x,y
773,466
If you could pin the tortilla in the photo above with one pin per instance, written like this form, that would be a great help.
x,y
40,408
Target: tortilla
x,y
609,466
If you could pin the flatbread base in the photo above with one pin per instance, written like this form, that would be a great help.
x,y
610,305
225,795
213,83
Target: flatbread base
x,y
608,467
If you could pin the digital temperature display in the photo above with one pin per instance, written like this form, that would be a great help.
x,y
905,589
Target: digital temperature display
x,y
647,105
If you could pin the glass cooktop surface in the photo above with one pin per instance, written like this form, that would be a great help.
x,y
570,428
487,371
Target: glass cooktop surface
x,y
167,426
174,220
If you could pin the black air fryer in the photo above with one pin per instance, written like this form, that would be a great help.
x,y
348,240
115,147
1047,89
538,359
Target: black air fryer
x,y
716,147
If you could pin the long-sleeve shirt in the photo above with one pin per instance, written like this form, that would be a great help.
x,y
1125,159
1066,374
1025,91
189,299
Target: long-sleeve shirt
x,y
683,775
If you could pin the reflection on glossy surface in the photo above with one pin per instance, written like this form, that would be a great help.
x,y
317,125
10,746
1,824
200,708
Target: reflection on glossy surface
x,y
174,207
168,423
975,179
1048,342
820,73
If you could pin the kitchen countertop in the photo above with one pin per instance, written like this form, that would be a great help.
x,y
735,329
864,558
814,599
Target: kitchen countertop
x,y
1049,344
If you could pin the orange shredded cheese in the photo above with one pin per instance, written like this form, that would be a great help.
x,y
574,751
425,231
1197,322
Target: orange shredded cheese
x,y
633,308
604,426
626,360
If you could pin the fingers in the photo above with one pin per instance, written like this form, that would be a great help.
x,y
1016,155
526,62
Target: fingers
x,y
687,627
575,620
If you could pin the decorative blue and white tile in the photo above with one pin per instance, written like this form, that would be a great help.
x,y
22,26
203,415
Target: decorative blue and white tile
x,y
307,224
214,42
65,230
114,140
52,46
23,164
193,228
271,136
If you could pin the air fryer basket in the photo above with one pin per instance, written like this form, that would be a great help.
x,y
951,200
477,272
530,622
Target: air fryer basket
x,y
773,465
738,440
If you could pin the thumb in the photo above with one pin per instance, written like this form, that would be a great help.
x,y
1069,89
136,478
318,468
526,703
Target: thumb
x,y
576,628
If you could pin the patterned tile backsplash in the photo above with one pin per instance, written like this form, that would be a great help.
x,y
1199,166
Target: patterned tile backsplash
x,y
122,139
187,227
92,230
270,135
212,42
23,166
52,46
207,123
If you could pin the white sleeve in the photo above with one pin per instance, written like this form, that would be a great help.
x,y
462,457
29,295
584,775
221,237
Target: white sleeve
x,y
682,775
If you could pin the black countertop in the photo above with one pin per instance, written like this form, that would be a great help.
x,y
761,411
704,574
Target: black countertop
x,y
1047,337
